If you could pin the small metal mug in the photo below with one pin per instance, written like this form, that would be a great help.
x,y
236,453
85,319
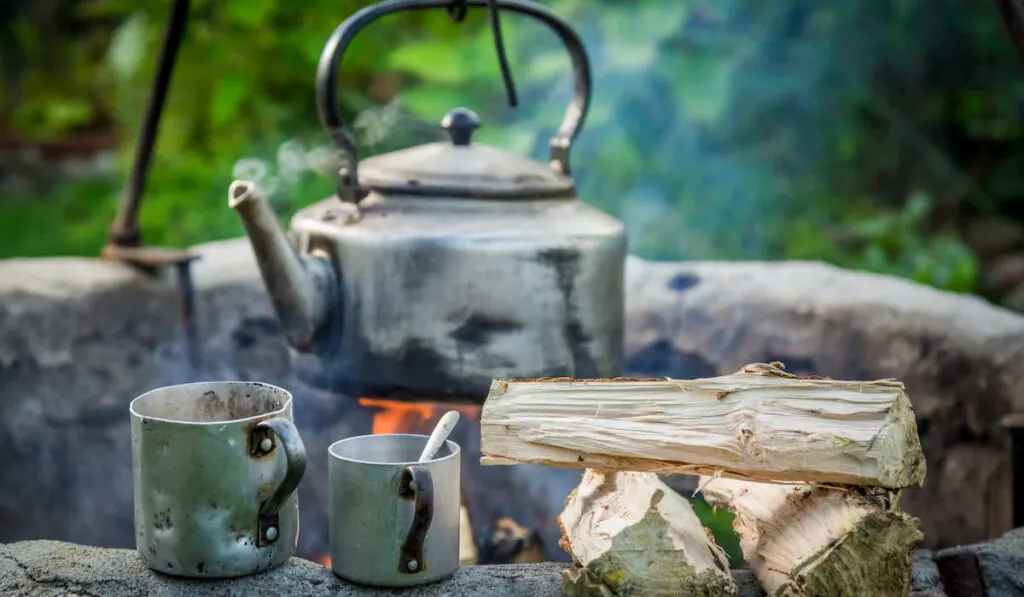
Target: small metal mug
x,y
216,465
394,522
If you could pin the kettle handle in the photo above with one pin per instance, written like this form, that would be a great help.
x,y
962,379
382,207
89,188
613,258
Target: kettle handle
x,y
330,59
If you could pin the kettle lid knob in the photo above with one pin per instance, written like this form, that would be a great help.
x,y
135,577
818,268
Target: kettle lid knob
x,y
460,124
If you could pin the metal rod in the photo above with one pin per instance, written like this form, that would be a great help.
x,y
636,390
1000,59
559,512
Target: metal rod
x,y
125,229
187,303
1012,12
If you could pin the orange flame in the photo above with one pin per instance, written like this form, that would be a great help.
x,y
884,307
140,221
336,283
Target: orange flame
x,y
324,560
396,416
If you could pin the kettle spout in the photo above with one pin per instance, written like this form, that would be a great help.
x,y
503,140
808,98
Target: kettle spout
x,y
300,287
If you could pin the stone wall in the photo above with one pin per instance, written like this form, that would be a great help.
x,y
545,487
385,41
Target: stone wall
x,y
79,338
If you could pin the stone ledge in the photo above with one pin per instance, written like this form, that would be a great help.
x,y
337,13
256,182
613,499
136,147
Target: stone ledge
x,y
59,568
54,567
42,567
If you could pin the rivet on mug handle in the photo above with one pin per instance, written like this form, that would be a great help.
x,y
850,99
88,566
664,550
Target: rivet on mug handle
x,y
261,442
416,484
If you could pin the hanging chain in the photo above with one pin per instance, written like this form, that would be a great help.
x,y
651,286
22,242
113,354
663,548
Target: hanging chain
x,y
457,11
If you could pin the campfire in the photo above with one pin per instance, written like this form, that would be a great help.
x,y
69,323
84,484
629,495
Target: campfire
x,y
395,416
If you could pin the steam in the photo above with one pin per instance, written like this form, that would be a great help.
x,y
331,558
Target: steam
x,y
372,128
292,161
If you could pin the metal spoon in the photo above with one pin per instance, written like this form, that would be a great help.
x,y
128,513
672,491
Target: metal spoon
x,y
442,430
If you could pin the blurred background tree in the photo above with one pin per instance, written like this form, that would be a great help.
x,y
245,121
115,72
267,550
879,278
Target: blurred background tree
x,y
874,134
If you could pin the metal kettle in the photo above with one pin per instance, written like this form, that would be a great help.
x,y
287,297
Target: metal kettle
x,y
439,267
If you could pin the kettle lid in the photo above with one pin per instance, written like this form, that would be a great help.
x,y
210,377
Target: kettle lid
x,y
460,168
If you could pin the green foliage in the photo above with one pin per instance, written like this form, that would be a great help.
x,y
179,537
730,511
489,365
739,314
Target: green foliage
x,y
719,522
844,131
889,241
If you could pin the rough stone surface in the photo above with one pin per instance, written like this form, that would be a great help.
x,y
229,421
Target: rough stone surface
x,y
56,568
80,338
1001,562
925,574
961,358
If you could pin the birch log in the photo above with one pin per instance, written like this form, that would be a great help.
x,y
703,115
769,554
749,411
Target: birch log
x,y
760,423
812,540
629,534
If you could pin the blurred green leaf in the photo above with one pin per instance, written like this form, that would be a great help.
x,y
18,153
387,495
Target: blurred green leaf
x,y
252,13
704,93
228,94
434,61
431,102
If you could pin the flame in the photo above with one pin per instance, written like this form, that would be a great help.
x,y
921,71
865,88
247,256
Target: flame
x,y
396,416
324,560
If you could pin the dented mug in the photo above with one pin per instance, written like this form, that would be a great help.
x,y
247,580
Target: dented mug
x,y
215,468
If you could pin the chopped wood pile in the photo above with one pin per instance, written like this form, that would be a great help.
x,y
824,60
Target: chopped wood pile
x,y
811,468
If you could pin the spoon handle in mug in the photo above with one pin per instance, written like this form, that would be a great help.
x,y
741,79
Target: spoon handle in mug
x,y
440,435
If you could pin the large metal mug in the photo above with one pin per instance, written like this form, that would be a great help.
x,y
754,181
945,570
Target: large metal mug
x,y
215,466
394,522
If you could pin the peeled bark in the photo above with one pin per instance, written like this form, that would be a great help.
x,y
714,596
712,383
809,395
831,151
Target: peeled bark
x,y
812,540
759,424
629,534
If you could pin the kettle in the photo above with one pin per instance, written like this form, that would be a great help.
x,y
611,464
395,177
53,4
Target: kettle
x,y
438,268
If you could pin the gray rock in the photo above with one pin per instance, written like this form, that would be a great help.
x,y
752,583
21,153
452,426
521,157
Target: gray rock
x,y
925,574
1001,563
78,339
961,358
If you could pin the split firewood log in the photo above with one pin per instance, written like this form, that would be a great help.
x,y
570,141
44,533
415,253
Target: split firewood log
x,y
759,424
629,535
814,540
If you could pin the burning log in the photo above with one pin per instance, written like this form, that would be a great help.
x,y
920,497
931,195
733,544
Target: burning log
x,y
811,540
630,534
759,424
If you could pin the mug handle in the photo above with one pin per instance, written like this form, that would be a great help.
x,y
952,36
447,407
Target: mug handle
x,y
268,523
416,484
